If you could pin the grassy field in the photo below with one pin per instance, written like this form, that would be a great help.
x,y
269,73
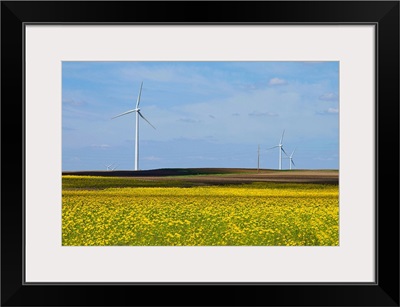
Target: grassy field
x,y
111,211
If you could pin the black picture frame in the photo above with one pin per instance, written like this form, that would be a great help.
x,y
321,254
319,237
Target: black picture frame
x,y
383,14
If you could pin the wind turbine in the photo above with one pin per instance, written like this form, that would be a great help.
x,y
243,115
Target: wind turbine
x,y
291,159
109,166
280,146
137,110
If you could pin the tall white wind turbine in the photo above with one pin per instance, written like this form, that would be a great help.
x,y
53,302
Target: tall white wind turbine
x,y
138,113
280,146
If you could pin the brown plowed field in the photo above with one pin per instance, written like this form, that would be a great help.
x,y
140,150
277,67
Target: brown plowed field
x,y
223,176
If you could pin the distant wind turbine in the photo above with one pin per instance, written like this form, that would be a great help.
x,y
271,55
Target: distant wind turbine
x,y
109,166
137,110
280,146
291,159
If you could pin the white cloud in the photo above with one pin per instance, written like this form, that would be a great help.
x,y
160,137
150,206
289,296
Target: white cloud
x,y
323,159
328,96
329,111
277,81
255,113
188,120
152,158
102,146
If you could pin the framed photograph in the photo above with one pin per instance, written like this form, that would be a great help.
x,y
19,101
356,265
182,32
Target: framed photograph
x,y
239,154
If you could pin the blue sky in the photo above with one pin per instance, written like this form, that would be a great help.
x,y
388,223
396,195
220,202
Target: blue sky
x,y
206,114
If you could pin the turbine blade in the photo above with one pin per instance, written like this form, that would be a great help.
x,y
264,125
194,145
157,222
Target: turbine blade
x,y
293,152
146,119
293,163
284,151
272,147
280,142
127,112
140,93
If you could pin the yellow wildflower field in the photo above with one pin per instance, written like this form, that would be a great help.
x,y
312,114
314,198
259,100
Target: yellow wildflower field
x,y
261,214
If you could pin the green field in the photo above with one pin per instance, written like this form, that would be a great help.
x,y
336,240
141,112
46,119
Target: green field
x,y
110,211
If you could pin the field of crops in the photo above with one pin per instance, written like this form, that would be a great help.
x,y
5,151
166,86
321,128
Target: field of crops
x,y
110,211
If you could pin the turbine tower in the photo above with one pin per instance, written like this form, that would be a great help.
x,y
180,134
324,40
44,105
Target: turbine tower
x,y
137,110
280,146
